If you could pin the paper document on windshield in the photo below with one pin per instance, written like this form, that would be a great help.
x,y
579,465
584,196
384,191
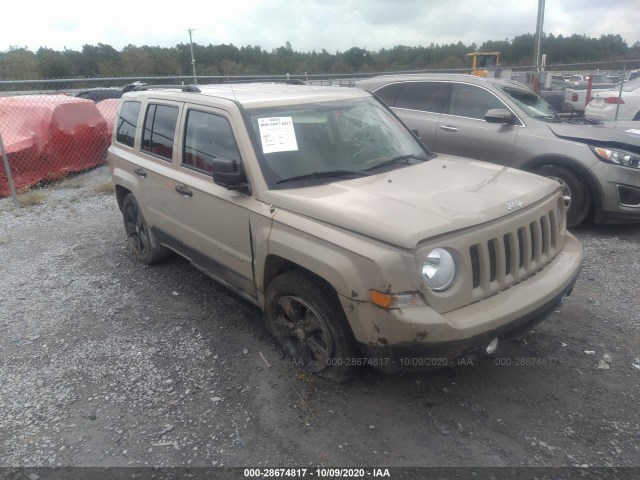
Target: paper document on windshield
x,y
277,134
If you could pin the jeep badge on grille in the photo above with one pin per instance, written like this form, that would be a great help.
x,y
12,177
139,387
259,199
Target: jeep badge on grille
x,y
513,204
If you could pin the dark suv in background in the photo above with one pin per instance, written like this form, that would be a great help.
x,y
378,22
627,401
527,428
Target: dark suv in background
x,y
504,122
99,94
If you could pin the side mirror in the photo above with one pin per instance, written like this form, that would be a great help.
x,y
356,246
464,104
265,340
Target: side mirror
x,y
500,115
227,173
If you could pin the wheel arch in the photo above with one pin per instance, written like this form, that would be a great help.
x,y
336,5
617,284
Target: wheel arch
x,y
583,172
121,192
275,265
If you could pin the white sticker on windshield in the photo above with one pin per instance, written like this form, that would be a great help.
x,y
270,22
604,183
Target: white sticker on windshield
x,y
277,134
633,130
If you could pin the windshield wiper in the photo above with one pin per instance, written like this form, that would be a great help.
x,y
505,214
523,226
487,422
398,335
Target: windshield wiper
x,y
400,159
327,174
549,118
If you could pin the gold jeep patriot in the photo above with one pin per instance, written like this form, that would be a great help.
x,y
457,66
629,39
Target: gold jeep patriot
x,y
319,206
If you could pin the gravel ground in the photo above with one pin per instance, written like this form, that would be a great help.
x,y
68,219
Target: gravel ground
x,y
107,362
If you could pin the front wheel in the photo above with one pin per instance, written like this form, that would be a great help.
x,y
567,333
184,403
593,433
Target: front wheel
x,y
577,198
306,318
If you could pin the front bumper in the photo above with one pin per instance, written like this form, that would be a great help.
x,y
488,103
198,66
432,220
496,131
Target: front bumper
x,y
618,203
411,356
419,338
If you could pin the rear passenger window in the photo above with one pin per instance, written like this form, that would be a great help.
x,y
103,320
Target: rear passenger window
x,y
127,121
159,130
207,136
423,96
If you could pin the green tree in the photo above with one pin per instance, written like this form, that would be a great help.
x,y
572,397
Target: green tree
x,y
53,64
18,63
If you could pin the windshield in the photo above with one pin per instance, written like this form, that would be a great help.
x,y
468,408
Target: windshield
x,y
531,103
321,142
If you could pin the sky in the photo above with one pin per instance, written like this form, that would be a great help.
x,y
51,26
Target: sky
x,y
333,25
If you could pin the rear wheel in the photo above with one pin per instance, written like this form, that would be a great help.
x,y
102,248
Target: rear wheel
x,y
577,197
637,117
305,316
142,241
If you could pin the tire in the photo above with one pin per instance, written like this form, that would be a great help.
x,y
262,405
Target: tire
x,y
307,320
637,117
142,242
575,190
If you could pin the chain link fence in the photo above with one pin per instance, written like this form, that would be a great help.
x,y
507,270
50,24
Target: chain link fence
x,y
53,128
48,133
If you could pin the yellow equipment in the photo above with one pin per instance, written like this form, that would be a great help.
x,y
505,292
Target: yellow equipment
x,y
483,62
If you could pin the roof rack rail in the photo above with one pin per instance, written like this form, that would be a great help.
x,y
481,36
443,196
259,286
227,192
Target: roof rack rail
x,y
291,81
137,86
184,88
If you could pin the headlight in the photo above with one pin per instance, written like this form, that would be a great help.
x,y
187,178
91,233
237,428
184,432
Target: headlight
x,y
439,270
619,157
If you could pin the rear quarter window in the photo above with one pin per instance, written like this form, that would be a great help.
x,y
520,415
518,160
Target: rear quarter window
x,y
388,93
127,121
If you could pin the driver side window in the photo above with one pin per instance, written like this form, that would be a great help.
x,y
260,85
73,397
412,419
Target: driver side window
x,y
471,101
207,137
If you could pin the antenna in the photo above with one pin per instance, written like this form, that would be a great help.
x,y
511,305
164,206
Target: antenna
x,y
231,87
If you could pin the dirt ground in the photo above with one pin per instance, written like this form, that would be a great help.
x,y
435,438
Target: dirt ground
x,y
107,362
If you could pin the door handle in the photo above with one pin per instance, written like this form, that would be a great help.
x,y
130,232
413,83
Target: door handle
x,y
183,190
448,128
140,172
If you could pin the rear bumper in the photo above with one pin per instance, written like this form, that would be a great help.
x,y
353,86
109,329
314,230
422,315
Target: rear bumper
x,y
570,107
600,116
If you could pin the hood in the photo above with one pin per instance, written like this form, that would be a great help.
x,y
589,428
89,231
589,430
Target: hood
x,y
624,134
405,206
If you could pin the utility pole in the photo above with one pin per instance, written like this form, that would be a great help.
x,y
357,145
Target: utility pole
x,y
536,48
193,60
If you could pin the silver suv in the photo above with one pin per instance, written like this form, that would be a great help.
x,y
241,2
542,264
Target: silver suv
x,y
319,206
503,122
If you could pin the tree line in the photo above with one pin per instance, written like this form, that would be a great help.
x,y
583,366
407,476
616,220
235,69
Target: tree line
x,y
94,61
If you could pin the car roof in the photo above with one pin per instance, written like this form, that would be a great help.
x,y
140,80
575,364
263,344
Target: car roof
x,y
380,80
252,95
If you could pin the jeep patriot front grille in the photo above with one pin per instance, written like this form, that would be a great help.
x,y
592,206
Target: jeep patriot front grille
x,y
503,260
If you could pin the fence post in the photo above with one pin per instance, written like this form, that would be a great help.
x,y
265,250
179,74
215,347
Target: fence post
x,y
624,65
5,160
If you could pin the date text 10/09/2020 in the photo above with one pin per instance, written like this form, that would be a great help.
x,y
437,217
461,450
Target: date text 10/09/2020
x,y
323,472
381,362
436,362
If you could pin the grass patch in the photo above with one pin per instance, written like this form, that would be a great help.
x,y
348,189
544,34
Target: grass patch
x,y
31,198
71,183
104,187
